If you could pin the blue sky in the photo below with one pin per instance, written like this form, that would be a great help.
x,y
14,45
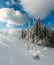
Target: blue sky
x,y
17,13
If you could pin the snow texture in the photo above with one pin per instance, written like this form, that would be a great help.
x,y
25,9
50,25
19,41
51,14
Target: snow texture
x,y
12,52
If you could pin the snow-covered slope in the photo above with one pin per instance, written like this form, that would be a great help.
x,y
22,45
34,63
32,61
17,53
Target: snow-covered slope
x,y
12,52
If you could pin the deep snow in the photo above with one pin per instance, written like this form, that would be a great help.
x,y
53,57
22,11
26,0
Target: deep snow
x,y
13,52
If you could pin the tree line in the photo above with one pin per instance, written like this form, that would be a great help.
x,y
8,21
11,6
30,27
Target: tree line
x,y
43,33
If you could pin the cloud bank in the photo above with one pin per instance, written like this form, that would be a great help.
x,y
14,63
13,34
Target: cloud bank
x,y
38,8
11,16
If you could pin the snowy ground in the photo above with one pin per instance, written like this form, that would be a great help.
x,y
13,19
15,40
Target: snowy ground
x,y
12,52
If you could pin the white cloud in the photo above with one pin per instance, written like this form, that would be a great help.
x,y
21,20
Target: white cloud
x,y
7,3
11,16
13,2
9,25
38,8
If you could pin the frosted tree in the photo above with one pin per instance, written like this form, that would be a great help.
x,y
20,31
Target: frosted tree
x,y
28,37
23,33
49,29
